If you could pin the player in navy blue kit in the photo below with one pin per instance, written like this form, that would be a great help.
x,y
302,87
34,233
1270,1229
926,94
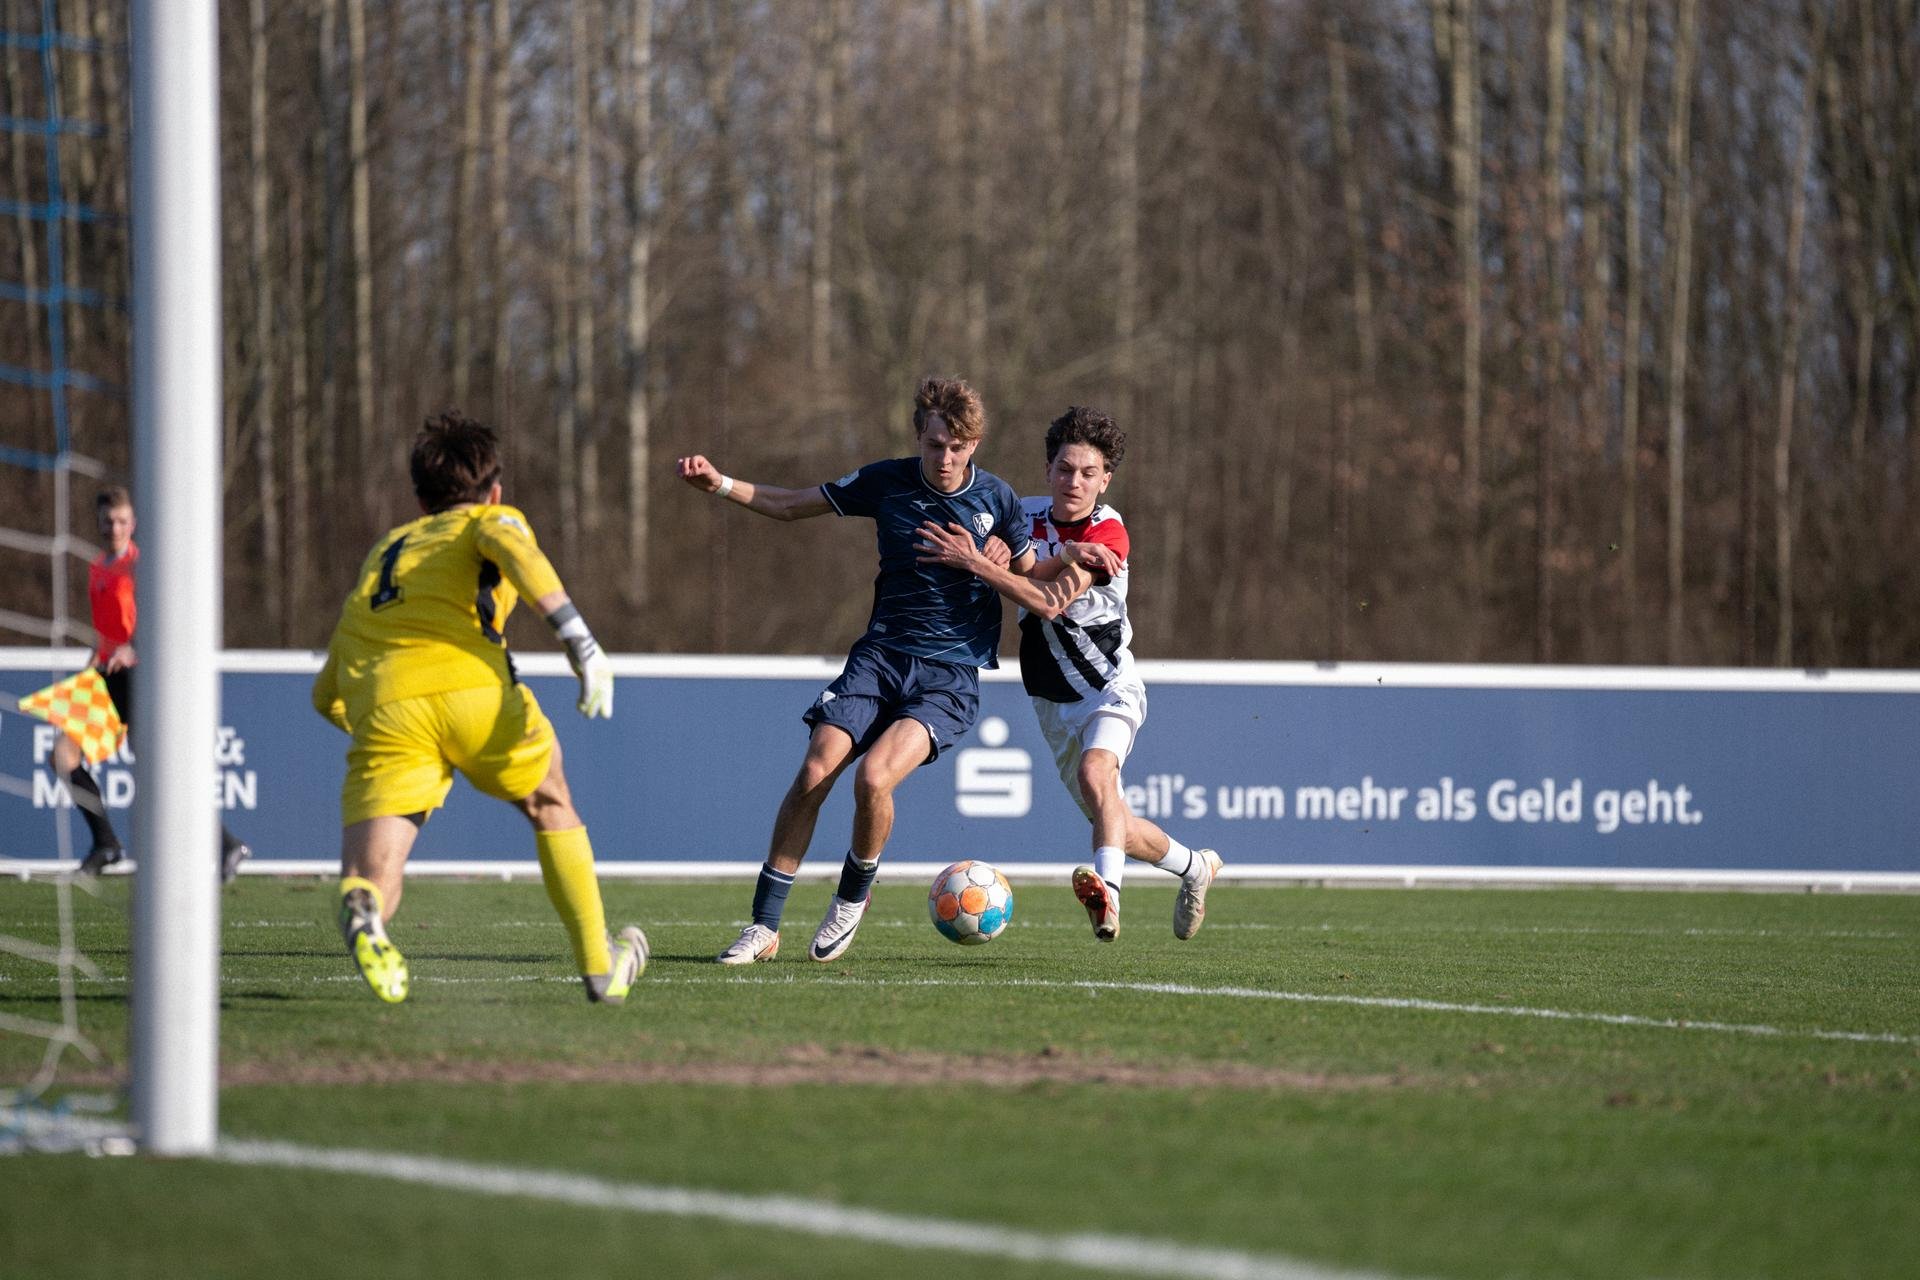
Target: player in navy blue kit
x,y
911,686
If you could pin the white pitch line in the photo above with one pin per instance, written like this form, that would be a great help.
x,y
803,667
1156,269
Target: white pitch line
x,y
1126,1255
828,982
1368,1002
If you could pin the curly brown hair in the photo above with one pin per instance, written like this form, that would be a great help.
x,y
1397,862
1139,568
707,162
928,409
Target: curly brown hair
x,y
956,402
455,459
1081,425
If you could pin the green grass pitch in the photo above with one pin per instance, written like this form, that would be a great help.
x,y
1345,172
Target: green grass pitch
x,y
1377,1082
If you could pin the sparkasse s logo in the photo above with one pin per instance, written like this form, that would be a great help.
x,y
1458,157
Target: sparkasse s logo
x,y
994,780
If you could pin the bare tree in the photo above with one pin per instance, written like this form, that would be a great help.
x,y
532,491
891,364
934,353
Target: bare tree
x,y
1456,34
829,30
1125,161
273,584
298,566
499,162
1852,197
80,18
466,239
1792,302
24,231
1679,237
326,161
1340,117
363,267
1596,174
639,319
580,271
975,150
1630,39
1545,512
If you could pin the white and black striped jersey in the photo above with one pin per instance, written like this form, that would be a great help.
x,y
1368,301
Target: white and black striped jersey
x,y
1089,646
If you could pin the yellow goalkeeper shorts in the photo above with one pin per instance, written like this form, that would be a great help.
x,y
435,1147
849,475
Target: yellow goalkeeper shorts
x,y
405,752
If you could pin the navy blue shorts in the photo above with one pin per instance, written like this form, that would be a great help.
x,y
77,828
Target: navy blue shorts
x,y
879,686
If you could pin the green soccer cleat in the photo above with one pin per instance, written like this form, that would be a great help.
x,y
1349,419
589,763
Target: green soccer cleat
x,y
382,965
629,962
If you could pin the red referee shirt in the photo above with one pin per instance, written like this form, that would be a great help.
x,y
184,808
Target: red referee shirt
x,y
110,593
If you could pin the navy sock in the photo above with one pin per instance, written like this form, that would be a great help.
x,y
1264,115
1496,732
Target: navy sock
x,y
770,896
856,878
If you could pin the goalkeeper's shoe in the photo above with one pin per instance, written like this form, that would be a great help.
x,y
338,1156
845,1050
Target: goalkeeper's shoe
x,y
756,942
1190,907
1101,901
835,934
629,962
381,964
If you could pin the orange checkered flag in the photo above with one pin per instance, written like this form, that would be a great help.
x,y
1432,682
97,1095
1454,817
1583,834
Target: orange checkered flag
x,y
82,707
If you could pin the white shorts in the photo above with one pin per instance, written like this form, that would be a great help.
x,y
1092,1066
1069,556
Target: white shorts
x,y
1108,721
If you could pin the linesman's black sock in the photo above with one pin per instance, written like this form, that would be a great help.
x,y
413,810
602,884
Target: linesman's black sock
x,y
87,799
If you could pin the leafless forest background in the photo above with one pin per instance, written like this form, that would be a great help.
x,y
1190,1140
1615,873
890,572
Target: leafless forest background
x,y
1575,331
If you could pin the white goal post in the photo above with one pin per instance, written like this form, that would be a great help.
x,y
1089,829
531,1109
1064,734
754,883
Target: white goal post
x,y
176,423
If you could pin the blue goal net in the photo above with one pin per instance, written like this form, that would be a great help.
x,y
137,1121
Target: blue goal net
x,y
64,352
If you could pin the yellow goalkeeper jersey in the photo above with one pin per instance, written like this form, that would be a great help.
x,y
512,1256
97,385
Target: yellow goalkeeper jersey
x,y
428,612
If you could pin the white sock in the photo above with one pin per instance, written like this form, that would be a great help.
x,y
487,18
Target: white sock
x,y
1179,860
1108,860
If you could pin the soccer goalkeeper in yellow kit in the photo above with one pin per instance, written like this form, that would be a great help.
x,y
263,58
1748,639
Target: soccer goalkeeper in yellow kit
x,y
418,673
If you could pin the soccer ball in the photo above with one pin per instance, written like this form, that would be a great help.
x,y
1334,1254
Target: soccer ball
x,y
970,902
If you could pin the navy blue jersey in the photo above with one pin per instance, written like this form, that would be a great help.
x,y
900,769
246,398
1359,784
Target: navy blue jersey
x,y
929,610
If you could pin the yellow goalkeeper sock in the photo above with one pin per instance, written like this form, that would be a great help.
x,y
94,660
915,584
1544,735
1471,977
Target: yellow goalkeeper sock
x,y
566,865
360,902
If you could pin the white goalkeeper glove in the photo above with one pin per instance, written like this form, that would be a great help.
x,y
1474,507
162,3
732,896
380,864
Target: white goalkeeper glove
x,y
587,661
596,686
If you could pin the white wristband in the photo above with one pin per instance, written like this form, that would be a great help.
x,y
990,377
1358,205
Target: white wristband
x,y
726,487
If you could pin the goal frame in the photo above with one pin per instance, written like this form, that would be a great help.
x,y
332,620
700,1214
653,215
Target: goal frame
x,y
177,414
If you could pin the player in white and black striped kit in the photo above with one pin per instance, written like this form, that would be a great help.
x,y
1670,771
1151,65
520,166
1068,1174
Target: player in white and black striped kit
x,y
1077,663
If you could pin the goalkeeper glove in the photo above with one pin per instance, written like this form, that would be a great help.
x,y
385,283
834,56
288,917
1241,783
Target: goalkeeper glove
x,y
587,661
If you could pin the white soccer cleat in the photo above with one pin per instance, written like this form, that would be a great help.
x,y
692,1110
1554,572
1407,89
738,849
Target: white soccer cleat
x,y
1190,907
756,942
630,953
1102,903
835,934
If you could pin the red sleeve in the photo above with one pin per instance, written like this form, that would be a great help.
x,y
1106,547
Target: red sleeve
x,y
1110,533
123,600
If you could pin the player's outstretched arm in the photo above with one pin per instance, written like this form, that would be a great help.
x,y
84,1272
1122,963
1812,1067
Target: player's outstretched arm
x,y
953,546
584,654
768,500
504,538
